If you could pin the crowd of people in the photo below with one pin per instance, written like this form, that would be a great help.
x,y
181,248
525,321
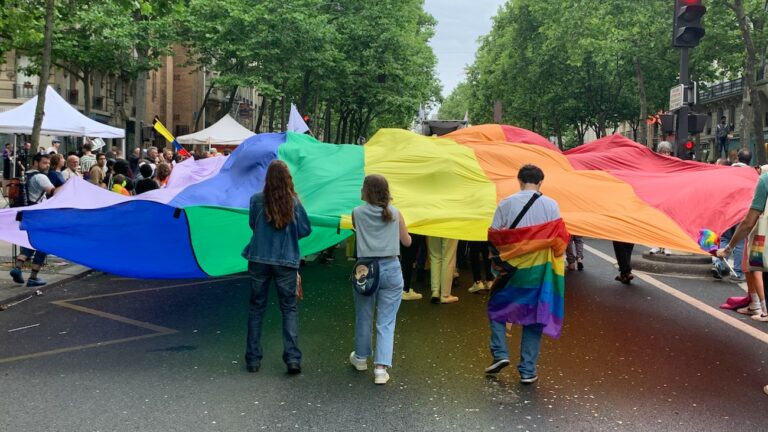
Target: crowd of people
x,y
41,174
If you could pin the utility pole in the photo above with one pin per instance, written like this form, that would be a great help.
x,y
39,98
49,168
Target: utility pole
x,y
687,32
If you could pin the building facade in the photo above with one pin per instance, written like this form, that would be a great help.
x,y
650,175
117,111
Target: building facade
x,y
174,93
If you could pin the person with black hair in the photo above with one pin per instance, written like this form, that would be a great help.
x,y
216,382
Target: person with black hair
x,y
38,189
147,183
514,297
721,134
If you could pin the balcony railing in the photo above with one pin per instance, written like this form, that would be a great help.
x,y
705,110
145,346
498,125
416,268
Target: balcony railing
x,y
727,88
722,89
24,91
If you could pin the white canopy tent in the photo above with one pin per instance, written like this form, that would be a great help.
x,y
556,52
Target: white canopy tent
x,y
226,131
60,119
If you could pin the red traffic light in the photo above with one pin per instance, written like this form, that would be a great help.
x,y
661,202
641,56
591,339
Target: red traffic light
x,y
689,145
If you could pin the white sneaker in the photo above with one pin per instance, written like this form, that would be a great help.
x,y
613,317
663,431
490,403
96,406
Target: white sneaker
x,y
357,362
448,299
654,251
477,286
748,310
760,317
411,295
380,376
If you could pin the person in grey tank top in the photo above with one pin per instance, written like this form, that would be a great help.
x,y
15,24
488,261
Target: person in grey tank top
x,y
379,229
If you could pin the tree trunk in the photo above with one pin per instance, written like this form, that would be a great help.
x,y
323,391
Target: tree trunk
x,y
641,133
45,72
283,125
327,126
202,107
305,88
87,103
339,121
752,113
272,107
227,107
260,117
140,98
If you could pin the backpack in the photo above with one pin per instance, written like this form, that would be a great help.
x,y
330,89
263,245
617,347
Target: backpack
x,y
20,191
365,276
14,192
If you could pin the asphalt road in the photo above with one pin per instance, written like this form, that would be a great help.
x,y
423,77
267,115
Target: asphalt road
x,y
111,354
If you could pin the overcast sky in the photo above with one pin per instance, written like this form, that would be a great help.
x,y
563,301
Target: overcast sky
x,y
459,24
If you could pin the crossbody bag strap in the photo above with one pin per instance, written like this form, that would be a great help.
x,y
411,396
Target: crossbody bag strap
x,y
525,210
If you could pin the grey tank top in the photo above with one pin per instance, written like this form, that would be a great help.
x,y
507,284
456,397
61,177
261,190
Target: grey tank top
x,y
374,237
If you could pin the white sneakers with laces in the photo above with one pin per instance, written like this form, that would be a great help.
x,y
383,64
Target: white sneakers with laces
x,y
357,362
411,295
477,286
380,376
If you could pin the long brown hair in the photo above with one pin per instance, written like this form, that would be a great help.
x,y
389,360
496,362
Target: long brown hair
x,y
278,195
376,192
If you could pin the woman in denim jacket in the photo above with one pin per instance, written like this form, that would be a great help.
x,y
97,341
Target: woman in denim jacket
x,y
278,221
380,229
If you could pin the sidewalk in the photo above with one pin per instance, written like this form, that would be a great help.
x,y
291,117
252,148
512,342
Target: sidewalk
x,y
54,272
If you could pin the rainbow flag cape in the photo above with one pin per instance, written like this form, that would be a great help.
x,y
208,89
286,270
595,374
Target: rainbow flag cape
x,y
448,186
534,294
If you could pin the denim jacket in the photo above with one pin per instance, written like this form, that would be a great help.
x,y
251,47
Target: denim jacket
x,y
272,246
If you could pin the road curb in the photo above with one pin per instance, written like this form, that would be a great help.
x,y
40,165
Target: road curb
x,y
13,300
694,265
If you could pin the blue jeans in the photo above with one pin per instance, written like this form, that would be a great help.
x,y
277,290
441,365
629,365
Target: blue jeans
x,y
37,257
285,280
386,301
738,253
530,345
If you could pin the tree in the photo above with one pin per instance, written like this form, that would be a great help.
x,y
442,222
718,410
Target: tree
x,y
45,72
456,105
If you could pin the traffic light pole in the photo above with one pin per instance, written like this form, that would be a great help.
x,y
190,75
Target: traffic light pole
x,y
682,114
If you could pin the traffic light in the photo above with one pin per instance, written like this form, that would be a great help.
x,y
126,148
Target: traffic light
x,y
687,30
667,123
689,145
696,123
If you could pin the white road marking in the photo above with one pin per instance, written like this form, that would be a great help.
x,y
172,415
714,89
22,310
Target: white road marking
x,y
23,328
707,309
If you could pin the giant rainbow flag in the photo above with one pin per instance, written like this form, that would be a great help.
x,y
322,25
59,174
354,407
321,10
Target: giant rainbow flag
x,y
444,186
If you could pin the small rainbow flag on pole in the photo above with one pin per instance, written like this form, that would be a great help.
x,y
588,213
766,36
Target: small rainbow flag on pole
x,y
708,241
169,137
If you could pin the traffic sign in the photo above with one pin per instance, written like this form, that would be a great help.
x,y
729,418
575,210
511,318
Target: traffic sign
x,y
676,97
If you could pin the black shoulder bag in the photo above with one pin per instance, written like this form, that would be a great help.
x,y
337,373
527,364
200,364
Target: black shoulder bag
x,y
508,269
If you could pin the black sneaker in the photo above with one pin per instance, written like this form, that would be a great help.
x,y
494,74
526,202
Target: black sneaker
x,y
253,368
497,366
716,273
294,368
435,300
16,275
529,380
580,266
